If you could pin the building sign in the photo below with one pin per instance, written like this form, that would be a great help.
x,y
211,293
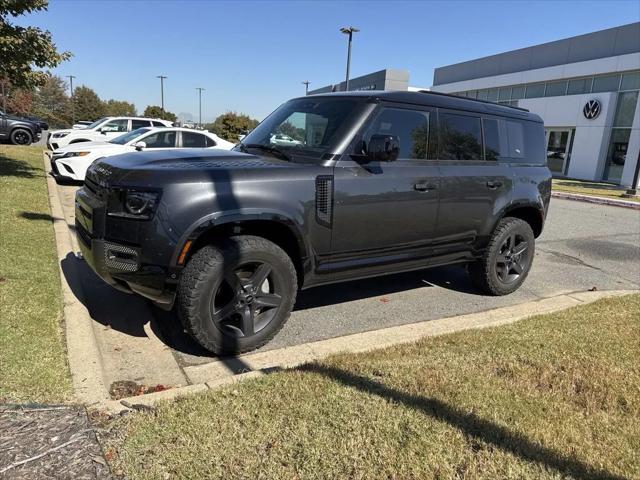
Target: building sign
x,y
591,109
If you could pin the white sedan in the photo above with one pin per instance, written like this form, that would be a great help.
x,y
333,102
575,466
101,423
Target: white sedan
x,y
71,162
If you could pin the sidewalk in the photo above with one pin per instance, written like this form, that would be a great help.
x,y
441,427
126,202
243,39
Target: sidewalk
x,y
596,199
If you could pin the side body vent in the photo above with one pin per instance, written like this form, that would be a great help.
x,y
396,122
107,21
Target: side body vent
x,y
324,200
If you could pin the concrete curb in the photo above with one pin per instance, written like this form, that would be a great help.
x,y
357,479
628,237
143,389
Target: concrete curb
x,y
597,200
83,354
225,372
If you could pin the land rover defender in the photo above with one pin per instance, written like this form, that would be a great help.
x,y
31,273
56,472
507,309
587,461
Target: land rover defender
x,y
371,183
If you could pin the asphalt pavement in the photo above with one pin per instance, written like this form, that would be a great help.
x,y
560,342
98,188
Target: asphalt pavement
x,y
584,246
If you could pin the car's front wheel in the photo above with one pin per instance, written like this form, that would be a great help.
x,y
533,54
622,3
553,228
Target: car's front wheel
x,y
507,260
21,136
235,296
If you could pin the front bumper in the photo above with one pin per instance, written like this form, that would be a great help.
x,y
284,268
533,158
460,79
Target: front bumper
x,y
118,264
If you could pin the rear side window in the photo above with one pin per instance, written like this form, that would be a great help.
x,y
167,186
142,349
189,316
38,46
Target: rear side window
x,y
210,142
193,140
410,126
158,124
161,140
136,124
460,137
526,143
492,147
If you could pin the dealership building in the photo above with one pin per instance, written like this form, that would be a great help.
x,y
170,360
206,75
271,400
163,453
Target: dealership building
x,y
585,88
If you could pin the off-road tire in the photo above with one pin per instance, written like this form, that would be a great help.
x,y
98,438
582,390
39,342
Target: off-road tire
x,y
201,277
19,133
483,272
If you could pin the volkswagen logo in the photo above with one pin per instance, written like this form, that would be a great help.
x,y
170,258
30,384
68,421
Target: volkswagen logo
x,y
591,109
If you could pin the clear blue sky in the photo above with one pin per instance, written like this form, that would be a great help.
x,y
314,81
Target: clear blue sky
x,y
251,56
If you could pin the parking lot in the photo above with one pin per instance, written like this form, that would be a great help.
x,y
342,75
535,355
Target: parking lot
x,y
583,246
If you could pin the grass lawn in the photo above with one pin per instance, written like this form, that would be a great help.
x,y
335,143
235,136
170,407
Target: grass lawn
x,y
555,396
33,365
591,188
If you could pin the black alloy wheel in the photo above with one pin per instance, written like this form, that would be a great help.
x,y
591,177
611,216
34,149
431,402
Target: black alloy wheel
x,y
512,259
21,137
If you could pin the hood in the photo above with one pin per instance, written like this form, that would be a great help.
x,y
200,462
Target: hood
x,y
181,164
82,146
21,119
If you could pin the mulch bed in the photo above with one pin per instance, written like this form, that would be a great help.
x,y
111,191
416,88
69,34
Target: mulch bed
x,y
49,441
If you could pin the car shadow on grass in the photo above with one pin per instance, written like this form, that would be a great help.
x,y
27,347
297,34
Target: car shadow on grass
x,y
17,168
469,424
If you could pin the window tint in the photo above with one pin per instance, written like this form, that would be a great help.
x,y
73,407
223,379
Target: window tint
x,y
410,126
492,95
116,126
193,140
460,137
630,81
526,142
517,92
492,148
578,86
210,142
515,139
535,91
556,89
158,124
504,93
607,83
135,124
160,140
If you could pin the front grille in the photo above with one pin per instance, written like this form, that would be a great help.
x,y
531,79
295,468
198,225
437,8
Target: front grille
x,y
120,257
83,235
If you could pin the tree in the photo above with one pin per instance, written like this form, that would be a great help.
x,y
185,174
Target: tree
x,y
154,111
51,103
88,105
231,124
19,101
116,108
23,48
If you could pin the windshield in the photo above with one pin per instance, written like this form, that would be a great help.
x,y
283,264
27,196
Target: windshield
x,y
303,127
127,137
96,123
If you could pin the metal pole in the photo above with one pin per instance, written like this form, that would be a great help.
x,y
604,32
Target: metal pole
x,y
73,101
200,89
348,31
161,77
306,87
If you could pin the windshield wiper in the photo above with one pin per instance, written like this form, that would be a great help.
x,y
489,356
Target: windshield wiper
x,y
267,148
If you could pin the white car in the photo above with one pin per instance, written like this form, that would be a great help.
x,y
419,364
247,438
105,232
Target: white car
x,y
102,130
285,140
71,162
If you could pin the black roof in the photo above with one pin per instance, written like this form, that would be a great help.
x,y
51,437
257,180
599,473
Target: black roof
x,y
438,99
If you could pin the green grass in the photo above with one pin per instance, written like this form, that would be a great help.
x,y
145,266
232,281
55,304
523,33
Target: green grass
x,y
555,396
33,365
591,188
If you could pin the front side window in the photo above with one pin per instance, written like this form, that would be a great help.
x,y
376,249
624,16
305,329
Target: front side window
x,y
193,140
160,140
411,127
96,123
305,127
460,137
120,125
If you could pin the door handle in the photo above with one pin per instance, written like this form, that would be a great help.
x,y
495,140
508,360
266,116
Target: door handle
x,y
424,187
494,185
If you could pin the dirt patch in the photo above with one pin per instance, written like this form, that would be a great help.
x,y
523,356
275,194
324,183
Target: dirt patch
x,y
127,388
54,441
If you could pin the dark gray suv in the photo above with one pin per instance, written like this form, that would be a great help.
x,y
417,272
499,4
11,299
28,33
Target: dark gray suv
x,y
327,188
18,130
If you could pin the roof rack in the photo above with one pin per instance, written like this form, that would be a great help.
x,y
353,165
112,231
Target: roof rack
x,y
472,99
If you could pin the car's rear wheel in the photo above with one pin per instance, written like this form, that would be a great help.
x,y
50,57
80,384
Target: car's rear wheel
x,y
20,136
507,260
235,296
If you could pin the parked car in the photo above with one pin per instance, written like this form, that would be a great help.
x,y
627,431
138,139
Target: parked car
x,y
81,124
282,139
19,130
102,130
385,182
71,162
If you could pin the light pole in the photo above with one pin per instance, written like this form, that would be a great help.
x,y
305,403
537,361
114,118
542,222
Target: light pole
x,y
306,86
200,89
161,77
348,31
73,101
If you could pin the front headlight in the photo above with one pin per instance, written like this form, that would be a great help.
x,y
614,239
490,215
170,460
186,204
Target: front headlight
x,y
76,154
133,203
60,134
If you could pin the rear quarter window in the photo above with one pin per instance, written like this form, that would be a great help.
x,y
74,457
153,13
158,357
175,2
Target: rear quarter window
x,y
525,142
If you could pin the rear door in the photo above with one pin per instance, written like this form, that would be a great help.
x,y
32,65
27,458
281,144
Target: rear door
x,y
388,210
475,185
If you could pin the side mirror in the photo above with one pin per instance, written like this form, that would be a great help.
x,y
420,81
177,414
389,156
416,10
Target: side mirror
x,y
139,146
102,130
383,148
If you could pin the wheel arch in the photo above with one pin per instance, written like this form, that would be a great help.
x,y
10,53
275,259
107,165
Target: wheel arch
x,y
274,227
530,213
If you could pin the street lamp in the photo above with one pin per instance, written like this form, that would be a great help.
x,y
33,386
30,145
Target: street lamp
x,y
200,89
348,31
161,77
306,86
73,103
